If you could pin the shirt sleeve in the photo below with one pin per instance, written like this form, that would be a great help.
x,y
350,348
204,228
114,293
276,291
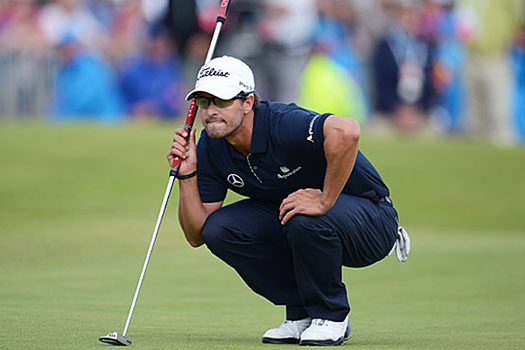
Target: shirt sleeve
x,y
211,188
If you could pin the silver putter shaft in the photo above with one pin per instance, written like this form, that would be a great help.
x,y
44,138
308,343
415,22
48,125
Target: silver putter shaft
x,y
116,338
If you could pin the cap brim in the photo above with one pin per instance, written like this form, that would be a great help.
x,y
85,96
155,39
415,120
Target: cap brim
x,y
220,91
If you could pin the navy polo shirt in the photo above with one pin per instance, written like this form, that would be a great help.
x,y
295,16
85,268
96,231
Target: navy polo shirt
x,y
287,154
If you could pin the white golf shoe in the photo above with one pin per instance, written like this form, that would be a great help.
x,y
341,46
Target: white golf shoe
x,y
326,332
288,333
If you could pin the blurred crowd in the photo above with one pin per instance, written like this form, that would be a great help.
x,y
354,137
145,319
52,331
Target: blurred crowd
x,y
414,66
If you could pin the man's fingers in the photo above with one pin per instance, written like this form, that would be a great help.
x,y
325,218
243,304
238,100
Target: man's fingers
x,y
299,202
282,212
293,207
290,199
178,150
283,203
285,207
181,132
288,216
181,146
178,138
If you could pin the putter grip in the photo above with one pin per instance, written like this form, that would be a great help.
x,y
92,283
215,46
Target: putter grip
x,y
225,5
190,118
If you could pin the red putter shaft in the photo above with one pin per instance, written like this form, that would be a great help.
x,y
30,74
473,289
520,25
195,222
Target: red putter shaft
x,y
192,110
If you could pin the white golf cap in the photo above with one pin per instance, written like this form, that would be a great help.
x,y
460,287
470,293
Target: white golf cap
x,y
224,77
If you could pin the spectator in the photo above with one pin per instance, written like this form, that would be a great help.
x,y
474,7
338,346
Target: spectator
x,y
152,83
86,88
401,70
127,32
518,60
490,27
335,35
103,11
242,37
333,79
328,85
370,24
440,29
61,18
155,11
18,27
24,60
182,20
287,29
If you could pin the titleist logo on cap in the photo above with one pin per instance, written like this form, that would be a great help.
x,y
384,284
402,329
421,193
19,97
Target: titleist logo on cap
x,y
211,72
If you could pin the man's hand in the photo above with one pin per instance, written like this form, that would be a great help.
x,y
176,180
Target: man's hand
x,y
185,150
306,201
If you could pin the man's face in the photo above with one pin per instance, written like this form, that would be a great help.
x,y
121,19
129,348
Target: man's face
x,y
222,121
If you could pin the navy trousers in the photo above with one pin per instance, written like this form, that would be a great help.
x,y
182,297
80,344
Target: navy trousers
x,y
300,264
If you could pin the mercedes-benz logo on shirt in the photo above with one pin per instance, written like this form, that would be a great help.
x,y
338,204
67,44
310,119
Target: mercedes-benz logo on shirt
x,y
235,180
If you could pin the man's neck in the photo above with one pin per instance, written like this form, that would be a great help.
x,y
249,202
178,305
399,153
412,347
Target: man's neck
x,y
241,140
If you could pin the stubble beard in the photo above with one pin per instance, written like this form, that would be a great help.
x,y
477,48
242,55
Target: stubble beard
x,y
223,129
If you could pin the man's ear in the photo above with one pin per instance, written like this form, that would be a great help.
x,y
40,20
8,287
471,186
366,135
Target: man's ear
x,y
248,103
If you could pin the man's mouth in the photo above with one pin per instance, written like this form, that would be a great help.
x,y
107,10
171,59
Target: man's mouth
x,y
214,121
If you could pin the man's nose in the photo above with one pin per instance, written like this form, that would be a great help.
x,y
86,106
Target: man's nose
x,y
212,108
208,112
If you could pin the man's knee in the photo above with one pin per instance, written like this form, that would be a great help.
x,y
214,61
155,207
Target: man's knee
x,y
216,229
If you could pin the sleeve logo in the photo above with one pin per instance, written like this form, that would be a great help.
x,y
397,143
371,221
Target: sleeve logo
x,y
310,136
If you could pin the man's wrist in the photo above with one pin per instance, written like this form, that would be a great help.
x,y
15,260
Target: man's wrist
x,y
326,203
187,176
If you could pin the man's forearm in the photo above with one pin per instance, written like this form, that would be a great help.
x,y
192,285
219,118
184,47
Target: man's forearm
x,y
192,212
341,145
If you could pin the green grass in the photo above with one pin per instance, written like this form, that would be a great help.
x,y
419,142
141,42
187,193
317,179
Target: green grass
x,y
78,205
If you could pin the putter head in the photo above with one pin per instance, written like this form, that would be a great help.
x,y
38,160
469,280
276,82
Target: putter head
x,y
115,339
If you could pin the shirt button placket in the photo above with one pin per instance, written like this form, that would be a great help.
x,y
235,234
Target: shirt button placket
x,y
252,168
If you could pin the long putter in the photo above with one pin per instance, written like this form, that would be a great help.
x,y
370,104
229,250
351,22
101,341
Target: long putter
x,y
116,338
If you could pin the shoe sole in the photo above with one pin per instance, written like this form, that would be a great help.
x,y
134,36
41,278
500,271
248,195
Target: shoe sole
x,y
267,340
327,342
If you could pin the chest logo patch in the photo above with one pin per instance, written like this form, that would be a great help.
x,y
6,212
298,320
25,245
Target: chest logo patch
x,y
235,180
287,172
